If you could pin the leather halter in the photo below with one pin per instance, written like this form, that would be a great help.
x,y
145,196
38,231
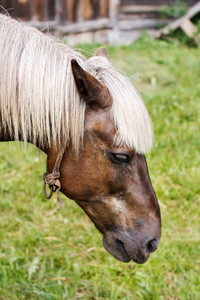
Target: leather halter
x,y
52,179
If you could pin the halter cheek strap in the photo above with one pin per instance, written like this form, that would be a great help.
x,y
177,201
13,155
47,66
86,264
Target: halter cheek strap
x,y
53,179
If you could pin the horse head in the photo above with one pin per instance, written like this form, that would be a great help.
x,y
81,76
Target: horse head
x,y
109,180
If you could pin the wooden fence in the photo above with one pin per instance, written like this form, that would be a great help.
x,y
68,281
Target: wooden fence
x,y
107,21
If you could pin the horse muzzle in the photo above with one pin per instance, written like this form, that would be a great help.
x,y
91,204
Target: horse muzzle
x,y
126,247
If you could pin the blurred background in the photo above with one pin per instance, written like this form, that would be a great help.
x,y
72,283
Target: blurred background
x,y
105,21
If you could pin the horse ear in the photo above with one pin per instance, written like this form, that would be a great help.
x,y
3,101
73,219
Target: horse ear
x,y
101,52
89,88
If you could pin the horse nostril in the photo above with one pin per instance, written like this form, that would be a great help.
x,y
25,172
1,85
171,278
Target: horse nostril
x,y
152,245
120,244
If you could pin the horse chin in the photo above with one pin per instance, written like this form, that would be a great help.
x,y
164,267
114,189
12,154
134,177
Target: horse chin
x,y
118,251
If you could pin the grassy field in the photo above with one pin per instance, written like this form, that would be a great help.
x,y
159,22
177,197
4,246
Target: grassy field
x,y
50,255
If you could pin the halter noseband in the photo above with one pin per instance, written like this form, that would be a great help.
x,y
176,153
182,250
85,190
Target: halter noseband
x,y
52,179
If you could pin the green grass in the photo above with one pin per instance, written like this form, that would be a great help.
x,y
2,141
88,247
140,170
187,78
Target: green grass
x,y
50,255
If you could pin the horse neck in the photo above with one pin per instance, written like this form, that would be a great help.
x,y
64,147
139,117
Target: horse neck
x,y
7,136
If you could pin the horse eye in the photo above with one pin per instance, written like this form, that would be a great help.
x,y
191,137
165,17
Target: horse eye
x,y
120,158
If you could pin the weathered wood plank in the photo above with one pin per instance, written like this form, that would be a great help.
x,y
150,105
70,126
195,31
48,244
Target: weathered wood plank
x,y
131,9
59,14
95,8
141,24
155,2
51,9
104,7
44,10
88,10
69,10
177,23
80,7
91,25
99,36
36,9
113,36
139,16
191,30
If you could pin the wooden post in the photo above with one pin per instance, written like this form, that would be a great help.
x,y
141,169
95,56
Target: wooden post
x,y
104,8
59,12
59,16
113,34
69,11
44,10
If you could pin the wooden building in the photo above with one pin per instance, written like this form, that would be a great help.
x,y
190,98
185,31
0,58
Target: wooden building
x,y
107,21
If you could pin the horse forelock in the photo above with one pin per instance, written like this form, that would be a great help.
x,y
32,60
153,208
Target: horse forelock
x,y
38,97
132,121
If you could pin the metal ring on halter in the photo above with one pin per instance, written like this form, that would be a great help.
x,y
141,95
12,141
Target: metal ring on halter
x,y
45,192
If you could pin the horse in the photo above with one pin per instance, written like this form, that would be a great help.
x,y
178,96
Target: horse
x,y
94,127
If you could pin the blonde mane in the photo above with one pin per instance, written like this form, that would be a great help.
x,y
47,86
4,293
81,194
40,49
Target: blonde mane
x,y
38,97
